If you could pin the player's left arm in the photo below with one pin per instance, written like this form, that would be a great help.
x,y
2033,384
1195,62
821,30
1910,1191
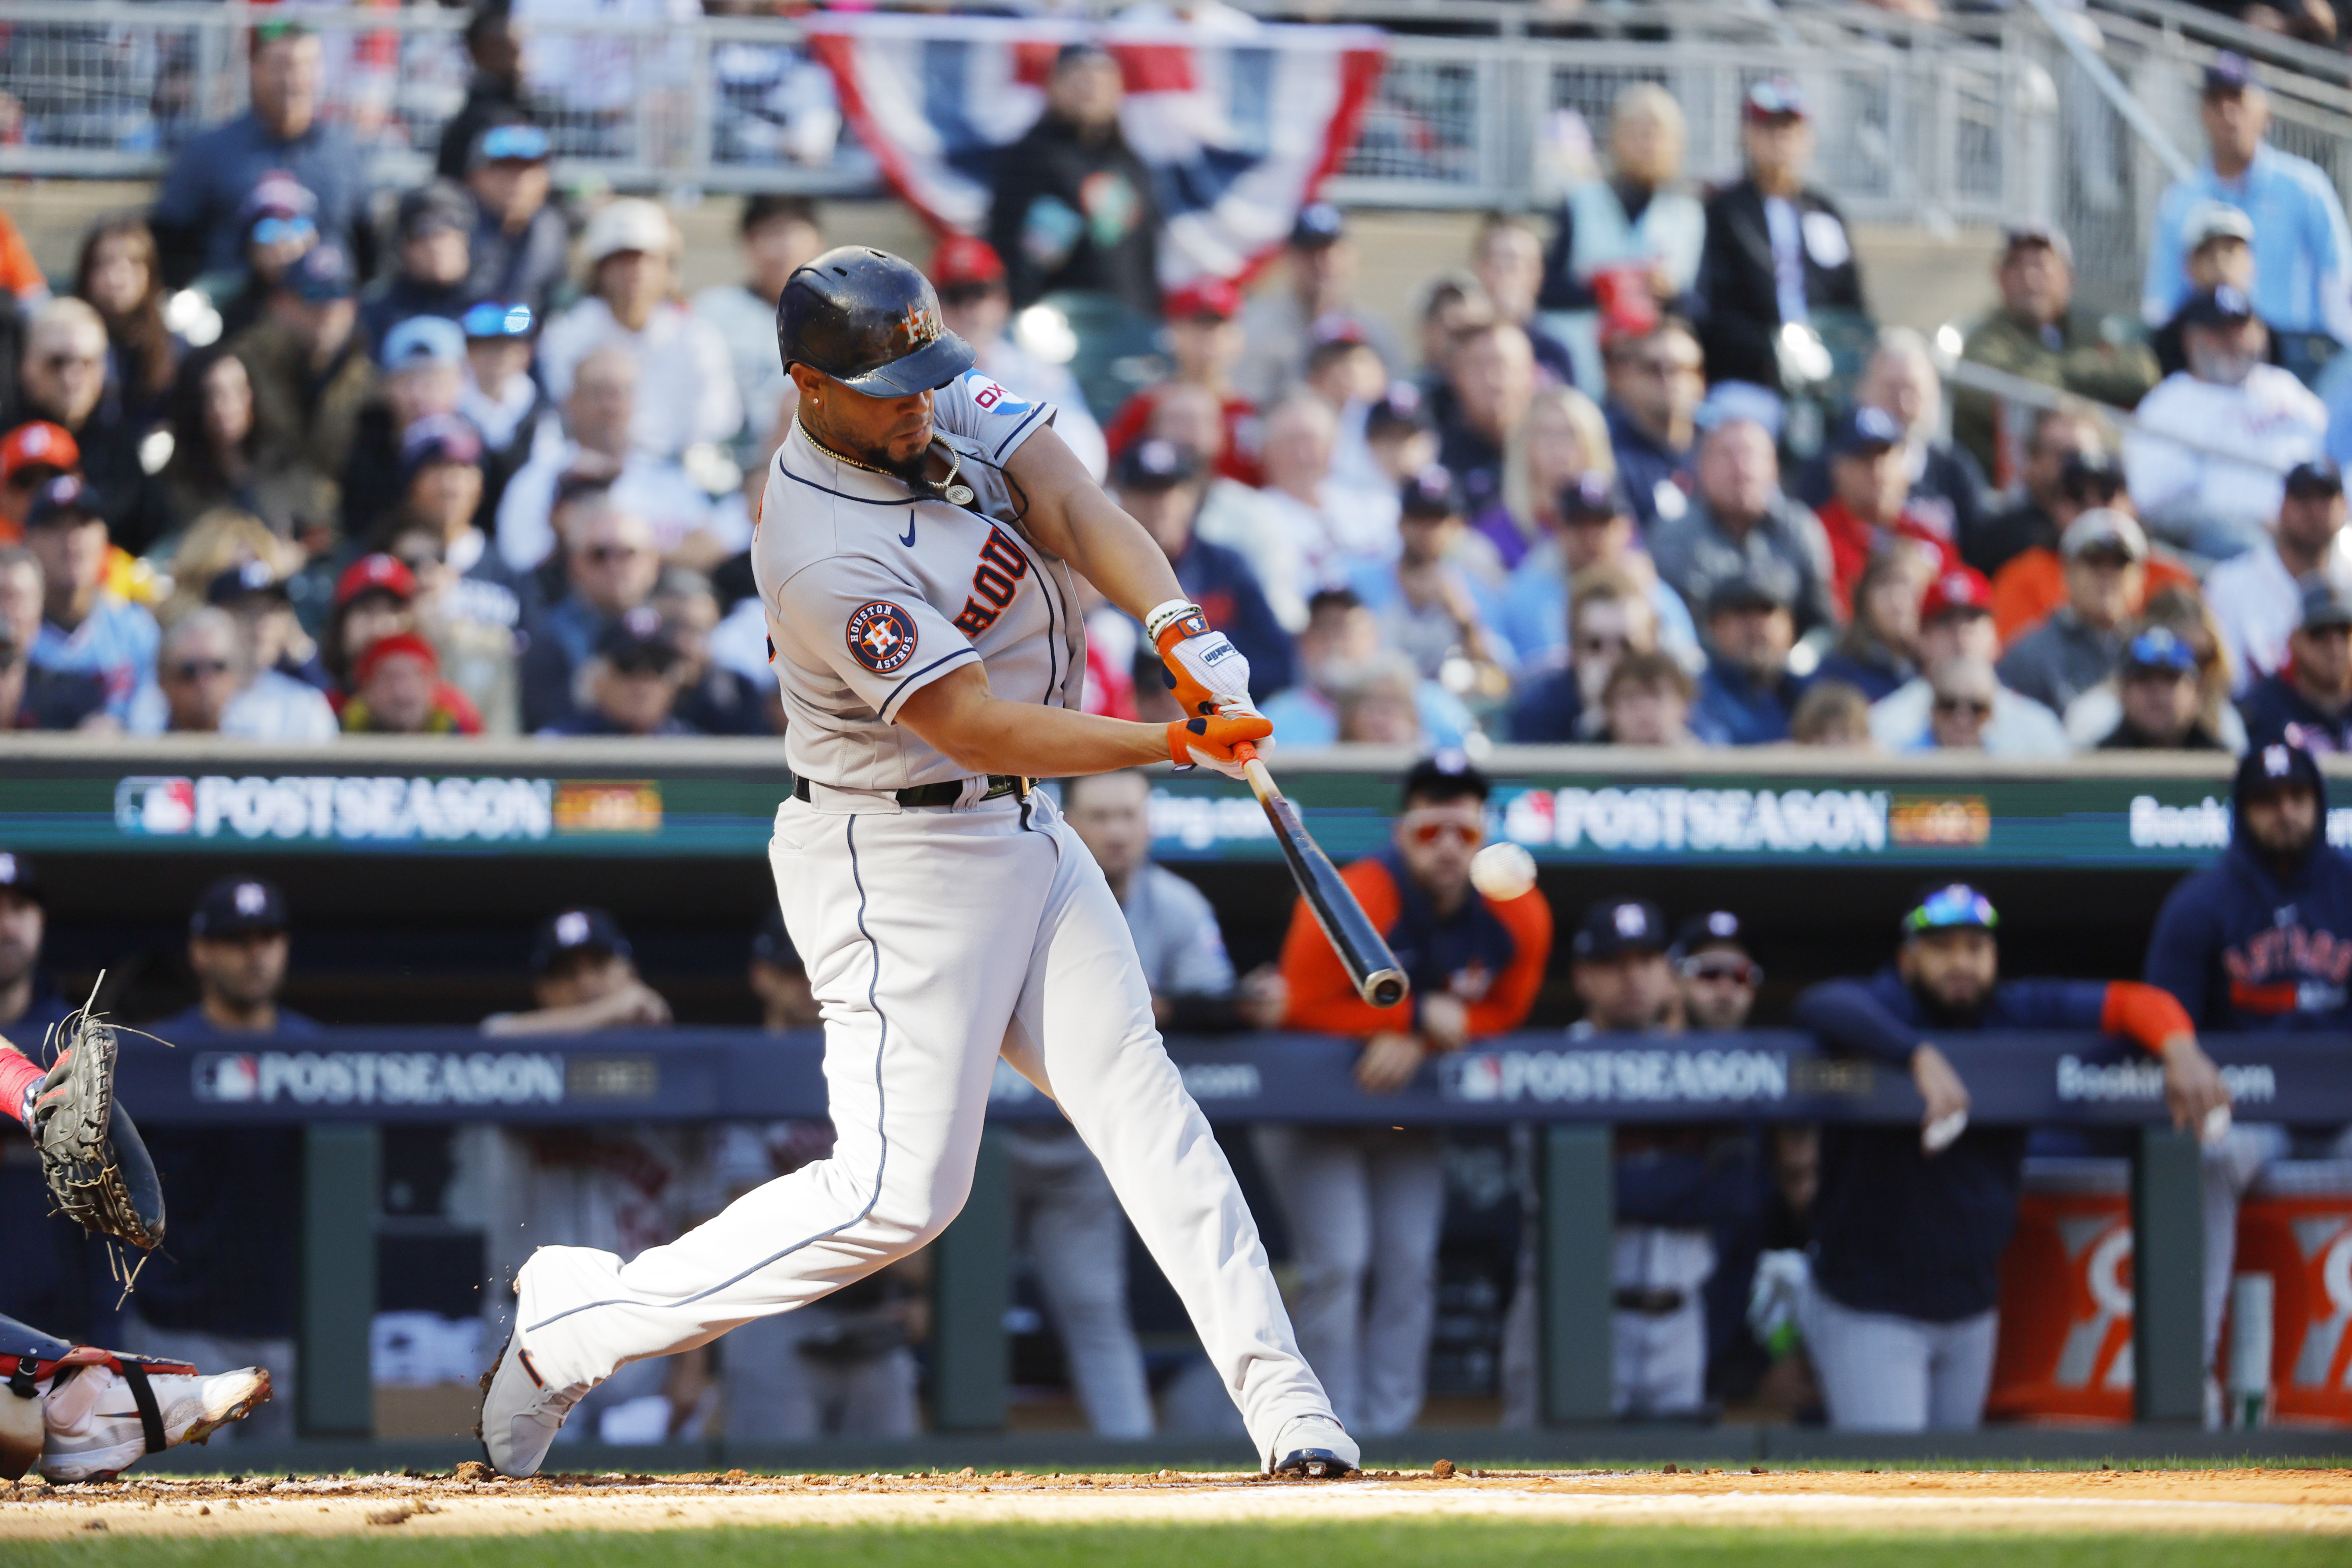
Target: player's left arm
x,y
2154,1019
1509,1000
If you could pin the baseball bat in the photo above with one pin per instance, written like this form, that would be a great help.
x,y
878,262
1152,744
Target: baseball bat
x,y
1360,947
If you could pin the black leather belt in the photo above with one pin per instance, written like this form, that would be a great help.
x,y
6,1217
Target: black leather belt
x,y
1649,1303
947,793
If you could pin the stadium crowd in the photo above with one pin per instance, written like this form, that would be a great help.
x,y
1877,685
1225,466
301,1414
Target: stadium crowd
x,y
1647,474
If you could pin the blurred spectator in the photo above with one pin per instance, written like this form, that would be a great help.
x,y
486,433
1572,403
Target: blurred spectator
x,y
631,684
1962,691
1832,713
375,597
2302,252
2080,643
220,456
1072,208
1608,616
1491,378
224,1293
1869,509
597,415
473,606
397,690
2257,597
610,567
495,92
1279,324
1382,702
1955,619
2307,703
1714,971
278,222
311,374
780,235
1747,693
224,541
205,683
1364,1205
1741,524
1561,437
975,305
2178,610
520,242
32,697
583,978
87,627
195,219
2048,475
1873,655
423,366
1232,513
1450,304
1656,380
1507,257
1160,485
1646,701
1946,487
2033,582
118,276
2227,401
2220,240
62,381
498,396
1329,539
2157,682
2037,332
432,258
1777,250
1625,245
1908,1235
1342,669
31,455
686,382
712,699
254,594
1428,607
1594,527
1205,342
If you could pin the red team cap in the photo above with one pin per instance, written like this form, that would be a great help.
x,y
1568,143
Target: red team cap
x,y
375,574
963,259
1215,297
1964,591
38,445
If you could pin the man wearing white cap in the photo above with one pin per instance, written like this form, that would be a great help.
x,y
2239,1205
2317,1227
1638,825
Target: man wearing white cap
x,y
686,388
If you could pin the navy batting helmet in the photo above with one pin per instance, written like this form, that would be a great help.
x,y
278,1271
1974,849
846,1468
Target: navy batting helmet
x,y
870,320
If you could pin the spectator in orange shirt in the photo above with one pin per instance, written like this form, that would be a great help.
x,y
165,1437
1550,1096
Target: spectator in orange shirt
x,y
2033,581
1364,1202
1206,342
20,279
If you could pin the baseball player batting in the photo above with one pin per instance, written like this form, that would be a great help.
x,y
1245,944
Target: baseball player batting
x,y
918,550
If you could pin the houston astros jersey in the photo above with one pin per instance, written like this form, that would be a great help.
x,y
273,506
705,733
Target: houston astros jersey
x,y
872,593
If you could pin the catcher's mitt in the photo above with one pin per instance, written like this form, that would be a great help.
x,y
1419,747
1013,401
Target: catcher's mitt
x,y
97,1168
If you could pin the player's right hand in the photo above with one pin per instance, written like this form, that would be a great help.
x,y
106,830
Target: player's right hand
x,y
1209,742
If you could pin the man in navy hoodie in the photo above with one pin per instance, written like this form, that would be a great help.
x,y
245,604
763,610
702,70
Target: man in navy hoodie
x,y
2259,942
1909,1225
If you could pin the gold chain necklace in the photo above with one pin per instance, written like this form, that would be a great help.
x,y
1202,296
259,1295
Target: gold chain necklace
x,y
948,489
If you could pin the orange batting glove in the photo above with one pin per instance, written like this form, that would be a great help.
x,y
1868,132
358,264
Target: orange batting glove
x,y
1209,742
1206,671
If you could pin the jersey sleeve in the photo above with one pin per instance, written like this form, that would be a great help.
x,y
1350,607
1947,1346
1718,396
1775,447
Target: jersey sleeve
x,y
872,629
1322,998
980,409
1509,1001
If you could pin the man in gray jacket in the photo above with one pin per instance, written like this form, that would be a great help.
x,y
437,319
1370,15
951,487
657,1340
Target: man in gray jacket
x,y
1742,526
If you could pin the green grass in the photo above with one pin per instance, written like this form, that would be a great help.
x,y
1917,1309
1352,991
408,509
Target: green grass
x,y
1450,1543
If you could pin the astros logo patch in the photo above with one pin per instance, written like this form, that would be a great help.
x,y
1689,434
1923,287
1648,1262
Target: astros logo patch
x,y
881,636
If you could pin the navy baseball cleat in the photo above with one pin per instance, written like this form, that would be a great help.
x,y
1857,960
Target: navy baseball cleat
x,y
1315,1448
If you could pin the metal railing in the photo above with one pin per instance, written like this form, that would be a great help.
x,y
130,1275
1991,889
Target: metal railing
x,y
1917,124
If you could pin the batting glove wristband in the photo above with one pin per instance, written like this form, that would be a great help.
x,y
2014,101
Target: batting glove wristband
x,y
1206,671
1209,741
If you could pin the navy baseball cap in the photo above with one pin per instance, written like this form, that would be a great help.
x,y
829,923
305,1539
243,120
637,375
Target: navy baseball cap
x,y
1445,775
434,207
248,580
2230,72
1592,497
2222,306
1614,926
773,945
2318,477
1715,928
1955,906
1157,465
66,499
1744,593
18,877
238,906
1430,493
321,274
1319,224
579,930
639,643
2324,606
1398,408
1867,429
497,319
436,438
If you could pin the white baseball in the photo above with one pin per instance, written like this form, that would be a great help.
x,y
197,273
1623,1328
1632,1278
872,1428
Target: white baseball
x,y
1502,871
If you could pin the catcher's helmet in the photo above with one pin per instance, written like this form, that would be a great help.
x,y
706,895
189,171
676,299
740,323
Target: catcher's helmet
x,y
871,321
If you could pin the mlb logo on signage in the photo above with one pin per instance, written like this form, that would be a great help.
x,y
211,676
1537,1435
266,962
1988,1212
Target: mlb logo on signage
x,y
231,1078
160,805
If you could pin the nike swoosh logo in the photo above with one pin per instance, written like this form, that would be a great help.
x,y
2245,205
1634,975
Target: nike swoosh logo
x,y
909,540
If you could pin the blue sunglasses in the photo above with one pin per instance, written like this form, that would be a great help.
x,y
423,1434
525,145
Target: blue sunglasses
x,y
1957,907
492,320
